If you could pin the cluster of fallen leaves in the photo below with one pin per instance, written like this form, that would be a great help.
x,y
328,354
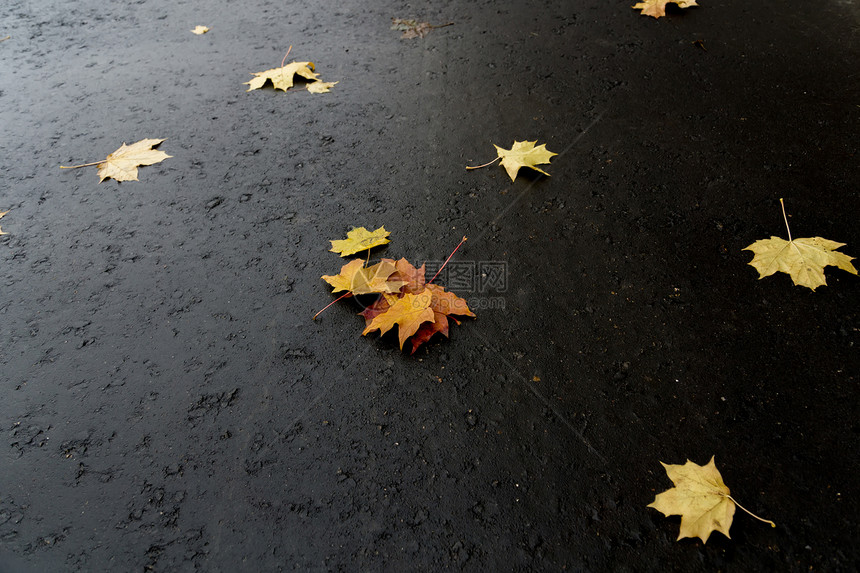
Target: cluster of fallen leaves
x,y
403,295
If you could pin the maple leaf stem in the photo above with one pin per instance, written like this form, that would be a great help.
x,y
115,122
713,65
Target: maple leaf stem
x,y
782,203
469,167
285,56
344,295
443,25
772,524
82,165
446,261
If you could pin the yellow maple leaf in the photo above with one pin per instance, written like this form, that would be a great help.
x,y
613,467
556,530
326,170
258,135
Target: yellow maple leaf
x,y
199,30
1,216
701,499
409,312
803,259
522,154
657,8
359,239
358,279
282,78
122,164
319,87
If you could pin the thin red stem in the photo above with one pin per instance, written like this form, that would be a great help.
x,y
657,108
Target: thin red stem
x,y
285,59
344,295
446,261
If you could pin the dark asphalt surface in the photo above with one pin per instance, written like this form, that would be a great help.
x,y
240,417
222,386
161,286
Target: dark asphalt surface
x,y
168,405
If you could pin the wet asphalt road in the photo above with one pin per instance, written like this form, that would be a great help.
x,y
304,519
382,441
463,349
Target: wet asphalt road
x,y
170,406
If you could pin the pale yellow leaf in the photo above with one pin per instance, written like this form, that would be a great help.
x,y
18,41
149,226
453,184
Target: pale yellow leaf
x,y
199,30
524,154
657,8
359,239
319,87
122,164
803,259
700,497
282,78
357,279
1,216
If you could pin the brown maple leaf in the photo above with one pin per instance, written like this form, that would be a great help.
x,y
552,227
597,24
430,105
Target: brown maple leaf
x,y
429,329
448,302
412,277
414,28
444,304
379,306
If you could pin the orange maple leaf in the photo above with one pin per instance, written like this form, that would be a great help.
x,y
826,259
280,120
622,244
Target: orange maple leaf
x,y
409,312
447,302
443,304
414,278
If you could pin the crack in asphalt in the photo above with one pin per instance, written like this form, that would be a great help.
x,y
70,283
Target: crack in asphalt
x,y
578,433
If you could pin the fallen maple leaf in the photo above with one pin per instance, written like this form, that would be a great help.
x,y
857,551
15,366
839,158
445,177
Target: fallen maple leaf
x,y
413,278
319,87
199,30
409,312
701,499
802,259
444,304
380,305
657,8
447,302
414,28
522,154
1,216
122,164
358,279
359,239
282,78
